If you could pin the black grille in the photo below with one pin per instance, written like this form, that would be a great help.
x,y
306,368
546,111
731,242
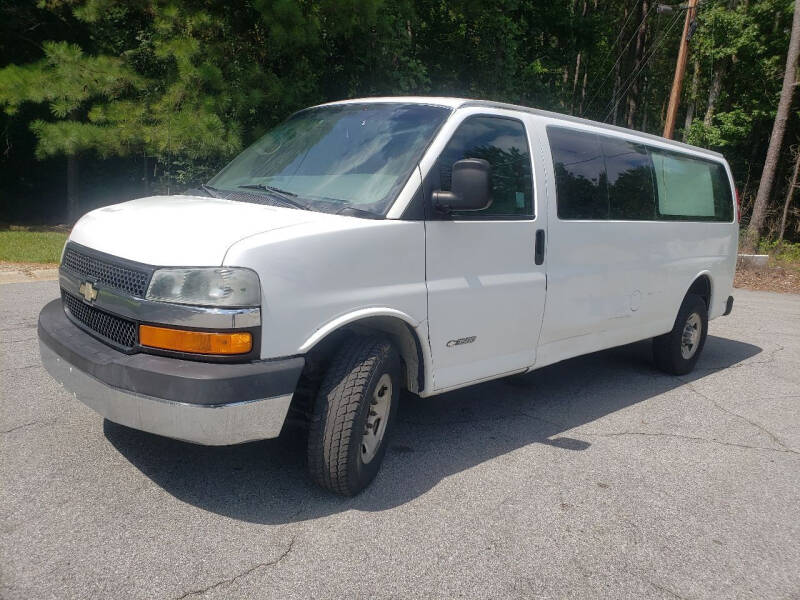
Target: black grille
x,y
122,277
119,331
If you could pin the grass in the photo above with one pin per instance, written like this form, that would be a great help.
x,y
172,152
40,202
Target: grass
x,y
784,254
32,245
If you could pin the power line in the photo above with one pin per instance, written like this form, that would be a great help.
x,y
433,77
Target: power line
x,y
639,70
636,72
622,30
619,57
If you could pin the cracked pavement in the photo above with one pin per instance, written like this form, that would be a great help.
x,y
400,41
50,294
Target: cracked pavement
x,y
596,477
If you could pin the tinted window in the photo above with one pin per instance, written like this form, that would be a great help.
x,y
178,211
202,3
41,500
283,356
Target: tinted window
x,y
630,180
691,189
602,177
580,174
504,144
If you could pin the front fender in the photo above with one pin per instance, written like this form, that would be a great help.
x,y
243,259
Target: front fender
x,y
322,275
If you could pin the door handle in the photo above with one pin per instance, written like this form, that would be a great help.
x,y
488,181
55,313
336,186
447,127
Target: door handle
x,y
539,247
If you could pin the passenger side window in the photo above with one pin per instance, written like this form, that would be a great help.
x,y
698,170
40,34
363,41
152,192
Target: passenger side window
x,y
503,143
580,174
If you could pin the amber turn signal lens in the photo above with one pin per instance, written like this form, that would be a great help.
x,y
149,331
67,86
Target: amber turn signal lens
x,y
196,342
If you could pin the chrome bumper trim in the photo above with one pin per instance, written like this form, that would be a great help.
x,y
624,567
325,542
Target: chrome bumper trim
x,y
149,311
210,425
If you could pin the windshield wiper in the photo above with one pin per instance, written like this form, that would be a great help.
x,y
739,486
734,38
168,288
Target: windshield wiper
x,y
282,195
202,190
352,211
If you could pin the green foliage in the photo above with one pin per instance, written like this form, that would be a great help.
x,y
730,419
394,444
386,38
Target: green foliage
x,y
188,84
65,79
781,252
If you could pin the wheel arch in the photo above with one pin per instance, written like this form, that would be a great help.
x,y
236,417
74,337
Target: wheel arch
x,y
703,286
402,330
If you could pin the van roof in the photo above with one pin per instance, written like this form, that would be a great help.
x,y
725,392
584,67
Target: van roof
x,y
455,103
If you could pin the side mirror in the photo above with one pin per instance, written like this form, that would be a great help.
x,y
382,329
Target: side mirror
x,y
469,187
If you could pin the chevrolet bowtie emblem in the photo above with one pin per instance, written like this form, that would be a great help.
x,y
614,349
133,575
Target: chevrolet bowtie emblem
x,y
88,292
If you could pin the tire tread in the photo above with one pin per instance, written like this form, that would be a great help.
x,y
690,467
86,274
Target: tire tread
x,y
666,347
336,411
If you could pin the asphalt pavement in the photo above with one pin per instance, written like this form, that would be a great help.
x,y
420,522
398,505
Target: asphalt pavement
x,y
598,477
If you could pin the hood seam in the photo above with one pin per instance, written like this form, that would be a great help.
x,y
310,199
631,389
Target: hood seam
x,y
247,237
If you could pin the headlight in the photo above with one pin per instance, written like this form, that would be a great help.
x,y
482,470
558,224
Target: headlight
x,y
212,286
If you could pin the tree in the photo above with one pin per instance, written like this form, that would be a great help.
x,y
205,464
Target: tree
x,y
778,129
65,79
789,194
184,84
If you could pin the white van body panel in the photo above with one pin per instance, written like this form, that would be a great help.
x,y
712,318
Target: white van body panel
x,y
616,282
602,284
318,274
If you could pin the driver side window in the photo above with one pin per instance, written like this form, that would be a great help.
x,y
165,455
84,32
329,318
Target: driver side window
x,y
502,142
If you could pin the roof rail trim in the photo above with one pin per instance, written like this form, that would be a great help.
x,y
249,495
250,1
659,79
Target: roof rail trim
x,y
581,121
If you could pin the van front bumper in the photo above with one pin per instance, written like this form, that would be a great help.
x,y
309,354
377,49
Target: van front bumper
x,y
214,404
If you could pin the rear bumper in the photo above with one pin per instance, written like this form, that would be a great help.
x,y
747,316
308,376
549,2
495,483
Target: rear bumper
x,y
204,403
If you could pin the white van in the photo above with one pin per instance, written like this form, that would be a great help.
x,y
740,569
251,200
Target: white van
x,y
371,246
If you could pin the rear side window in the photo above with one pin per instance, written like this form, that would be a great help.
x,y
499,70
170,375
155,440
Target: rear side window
x,y
580,174
503,143
691,189
602,177
630,180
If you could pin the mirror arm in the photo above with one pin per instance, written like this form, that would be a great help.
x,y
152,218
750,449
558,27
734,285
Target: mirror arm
x,y
443,200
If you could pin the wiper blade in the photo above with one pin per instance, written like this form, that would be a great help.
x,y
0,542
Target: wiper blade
x,y
282,195
352,211
202,190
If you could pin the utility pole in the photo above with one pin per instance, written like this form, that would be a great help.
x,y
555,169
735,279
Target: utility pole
x,y
680,70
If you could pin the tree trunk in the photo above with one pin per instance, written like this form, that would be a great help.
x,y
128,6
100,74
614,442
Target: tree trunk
x,y
692,100
614,98
713,96
145,176
72,189
633,96
575,79
789,195
583,88
778,129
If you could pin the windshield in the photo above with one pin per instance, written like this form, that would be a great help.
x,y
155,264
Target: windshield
x,y
334,158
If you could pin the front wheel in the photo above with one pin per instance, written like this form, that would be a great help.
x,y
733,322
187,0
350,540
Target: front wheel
x,y
677,351
352,415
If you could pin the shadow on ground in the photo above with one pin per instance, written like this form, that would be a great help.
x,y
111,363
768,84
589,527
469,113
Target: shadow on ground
x,y
265,482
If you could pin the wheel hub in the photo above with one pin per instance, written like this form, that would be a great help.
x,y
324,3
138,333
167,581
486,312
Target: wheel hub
x,y
691,336
376,420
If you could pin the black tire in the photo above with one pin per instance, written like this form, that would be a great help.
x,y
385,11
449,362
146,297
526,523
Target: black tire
x,y
668,349
342,411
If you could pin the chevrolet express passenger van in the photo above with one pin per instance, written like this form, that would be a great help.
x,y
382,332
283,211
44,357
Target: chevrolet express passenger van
x,y
371,246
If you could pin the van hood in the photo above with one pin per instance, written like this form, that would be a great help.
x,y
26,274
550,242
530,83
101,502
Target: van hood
x,y
181,230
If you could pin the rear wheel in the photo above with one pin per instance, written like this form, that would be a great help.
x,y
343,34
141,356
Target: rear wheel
x,y
353,414
677,351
